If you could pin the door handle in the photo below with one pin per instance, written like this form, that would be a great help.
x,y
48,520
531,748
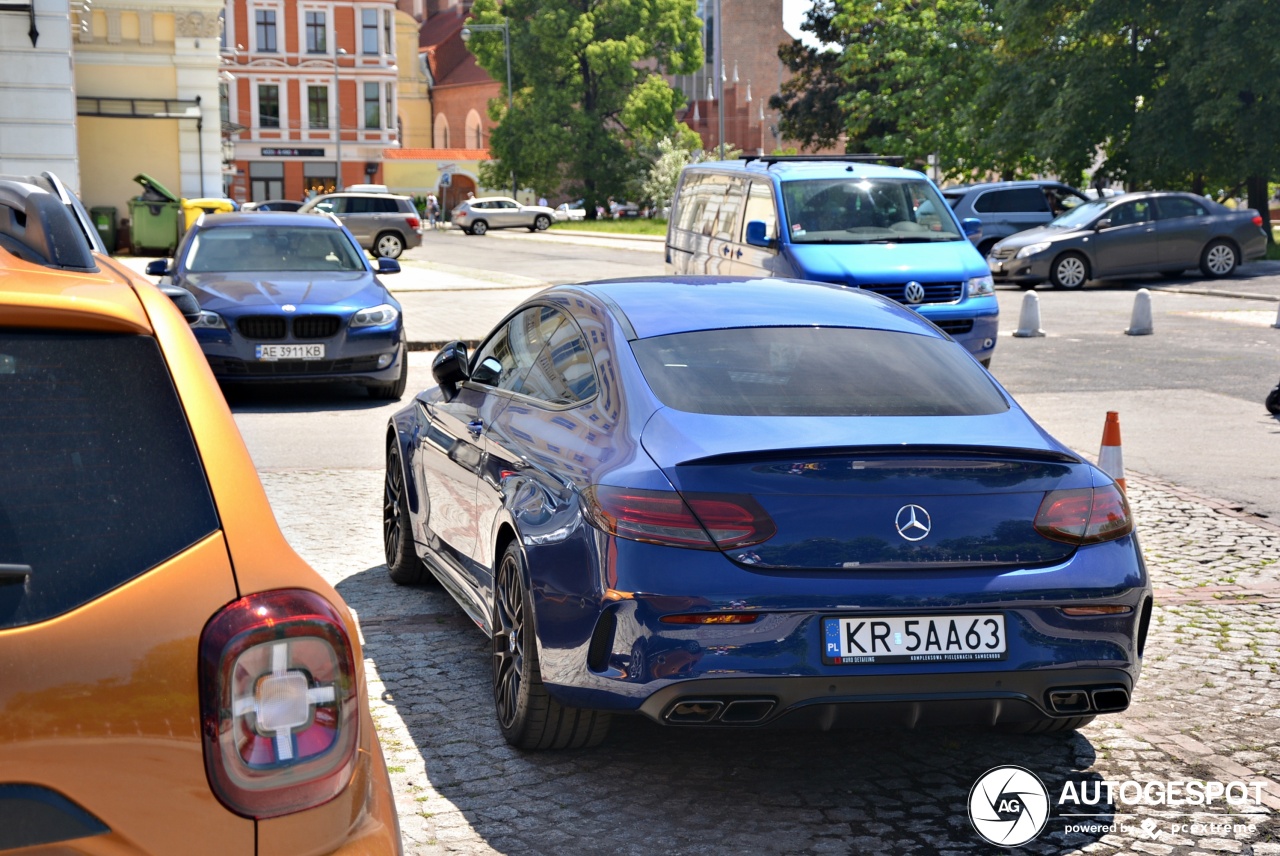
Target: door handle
x,y
475,427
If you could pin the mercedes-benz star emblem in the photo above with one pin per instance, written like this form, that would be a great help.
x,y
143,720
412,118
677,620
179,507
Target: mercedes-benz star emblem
x,y
914,292
913,522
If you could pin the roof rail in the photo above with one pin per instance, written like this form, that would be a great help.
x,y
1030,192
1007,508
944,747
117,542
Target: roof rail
x,y
41,222
770,160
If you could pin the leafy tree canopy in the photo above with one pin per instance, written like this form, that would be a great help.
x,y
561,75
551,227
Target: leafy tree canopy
x,y
587,96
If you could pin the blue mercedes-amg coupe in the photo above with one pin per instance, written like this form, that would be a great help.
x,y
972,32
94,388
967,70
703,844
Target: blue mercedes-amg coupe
x,y
740,502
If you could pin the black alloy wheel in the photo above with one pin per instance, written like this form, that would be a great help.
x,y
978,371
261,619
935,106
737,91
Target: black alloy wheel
x,y
527,715
403,564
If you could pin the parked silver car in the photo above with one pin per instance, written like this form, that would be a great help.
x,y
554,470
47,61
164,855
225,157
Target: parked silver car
x,y
1008,207
1151,232
478,216
383,223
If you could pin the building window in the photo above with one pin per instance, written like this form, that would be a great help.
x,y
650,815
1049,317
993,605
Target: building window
x,y
318,106
265,21
440,133
475,131
372,105
222,29
224,102
386,33
369,31
269,106
316,33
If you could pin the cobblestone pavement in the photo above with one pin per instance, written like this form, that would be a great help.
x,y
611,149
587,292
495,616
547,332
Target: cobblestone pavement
x,y
1207,708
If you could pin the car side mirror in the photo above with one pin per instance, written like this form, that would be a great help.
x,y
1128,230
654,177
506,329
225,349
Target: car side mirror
x,y
971,226
386,265
1104,223
159,267
449,368
183,299
758,234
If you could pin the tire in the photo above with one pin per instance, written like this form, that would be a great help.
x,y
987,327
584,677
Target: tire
x,y
478,228
1069,270
542,222
394,390
527,715
1048,725
1273,401
403,565
389,245
1219,259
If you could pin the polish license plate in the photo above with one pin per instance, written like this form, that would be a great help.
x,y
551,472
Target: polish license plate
x,y
912,639
271,353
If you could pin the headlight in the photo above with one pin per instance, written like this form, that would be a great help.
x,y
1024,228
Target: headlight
x,y
376,316
1032,249
981,285
209,321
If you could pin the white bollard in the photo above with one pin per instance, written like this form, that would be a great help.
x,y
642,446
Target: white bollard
x,y
1277,324
1140,321
1029,320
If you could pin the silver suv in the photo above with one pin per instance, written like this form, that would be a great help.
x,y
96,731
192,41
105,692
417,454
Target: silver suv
x,y
1006,207
383,223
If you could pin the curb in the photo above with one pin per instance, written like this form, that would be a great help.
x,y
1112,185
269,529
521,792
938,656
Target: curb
x,y
618,235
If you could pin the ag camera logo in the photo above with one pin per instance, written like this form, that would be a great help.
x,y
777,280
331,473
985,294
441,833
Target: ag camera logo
x,y
1008,806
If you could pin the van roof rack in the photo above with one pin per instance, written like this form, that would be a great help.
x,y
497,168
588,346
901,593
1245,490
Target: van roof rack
x,y
770,160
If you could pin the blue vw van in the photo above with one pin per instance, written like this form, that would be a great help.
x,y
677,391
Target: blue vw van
x,y
837,219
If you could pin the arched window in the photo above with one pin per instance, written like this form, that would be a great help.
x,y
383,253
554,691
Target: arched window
x,y
475,131
440,134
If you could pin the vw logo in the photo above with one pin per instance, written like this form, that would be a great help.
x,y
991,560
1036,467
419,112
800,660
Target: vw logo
x,y
1008,806
289,307
914,292
913,522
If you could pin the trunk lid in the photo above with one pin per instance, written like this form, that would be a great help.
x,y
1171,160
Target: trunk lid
x,y
941,496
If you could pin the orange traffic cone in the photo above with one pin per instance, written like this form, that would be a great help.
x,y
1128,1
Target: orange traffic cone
x,y
1110,457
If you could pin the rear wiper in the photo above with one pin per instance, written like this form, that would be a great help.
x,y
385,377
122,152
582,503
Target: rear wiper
x,y
14,574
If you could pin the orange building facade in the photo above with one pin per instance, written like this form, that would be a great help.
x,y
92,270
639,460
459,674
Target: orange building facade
x,y
309,95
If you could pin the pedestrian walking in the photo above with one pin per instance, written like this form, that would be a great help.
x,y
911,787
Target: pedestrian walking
x,y
433,211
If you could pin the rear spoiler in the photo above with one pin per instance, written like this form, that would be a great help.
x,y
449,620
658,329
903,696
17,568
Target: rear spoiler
x,y
977,453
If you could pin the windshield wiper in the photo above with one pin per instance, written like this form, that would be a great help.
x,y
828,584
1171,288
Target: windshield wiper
x,y
14,573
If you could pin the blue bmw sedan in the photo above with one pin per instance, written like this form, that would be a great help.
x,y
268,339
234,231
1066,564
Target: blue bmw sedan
x,y
731,502
290,297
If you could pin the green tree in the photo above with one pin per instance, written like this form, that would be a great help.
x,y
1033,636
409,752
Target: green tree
x,y
809,102
587,94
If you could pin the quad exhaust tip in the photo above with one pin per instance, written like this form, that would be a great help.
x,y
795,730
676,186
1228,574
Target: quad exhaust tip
x,y
725,711
1077,700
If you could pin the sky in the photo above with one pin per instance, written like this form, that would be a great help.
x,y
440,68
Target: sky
x,y
792,14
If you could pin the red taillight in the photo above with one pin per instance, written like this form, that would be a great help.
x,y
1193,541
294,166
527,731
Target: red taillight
x,y
667,517
1257,220
1084,515
414,222
460,215
278,703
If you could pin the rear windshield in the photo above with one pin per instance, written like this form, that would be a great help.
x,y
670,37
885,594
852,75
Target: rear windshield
x,y
822,371
272,248
101,478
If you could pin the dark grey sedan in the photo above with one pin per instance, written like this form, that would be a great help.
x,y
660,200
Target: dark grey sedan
x,y
1151,232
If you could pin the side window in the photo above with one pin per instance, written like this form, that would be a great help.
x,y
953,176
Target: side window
x,y
728,227
506,358
1020,200
711,191
563,373
1061,199
384,206
760,206
355,205
1172,207
1130,213
689,203
508,205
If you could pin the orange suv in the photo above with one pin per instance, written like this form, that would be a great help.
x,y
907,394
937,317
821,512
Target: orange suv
x,y
173,677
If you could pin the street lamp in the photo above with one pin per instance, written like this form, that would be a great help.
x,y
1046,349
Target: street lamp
x,y
337,115
506,46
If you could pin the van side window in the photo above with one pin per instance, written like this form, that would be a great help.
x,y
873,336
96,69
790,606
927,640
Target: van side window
x,y
711,191
760,207
690,203
727,226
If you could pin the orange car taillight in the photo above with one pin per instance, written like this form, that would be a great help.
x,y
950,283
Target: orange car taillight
x,y
673,519
279,712
1084,515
